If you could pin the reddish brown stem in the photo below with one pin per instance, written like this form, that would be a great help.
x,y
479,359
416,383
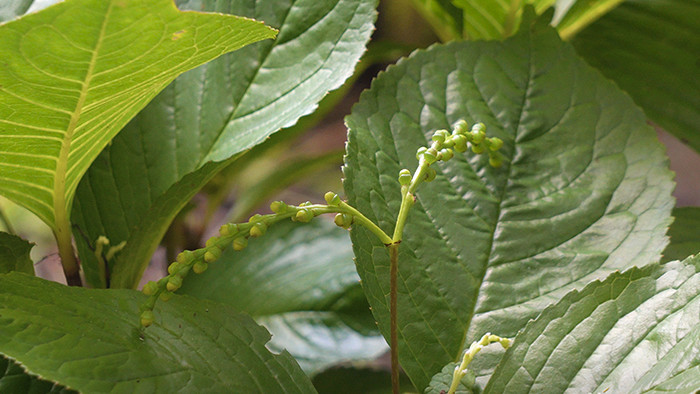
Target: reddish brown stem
x,y
393,304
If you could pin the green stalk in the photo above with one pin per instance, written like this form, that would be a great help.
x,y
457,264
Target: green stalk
x,y
469,356
6,222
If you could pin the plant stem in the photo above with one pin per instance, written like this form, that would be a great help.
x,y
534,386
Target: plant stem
x,y
407,199
362,219
393,306
68,260
6,222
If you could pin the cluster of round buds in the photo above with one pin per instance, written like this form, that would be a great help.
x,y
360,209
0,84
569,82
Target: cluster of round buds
x,y
198,261
445,144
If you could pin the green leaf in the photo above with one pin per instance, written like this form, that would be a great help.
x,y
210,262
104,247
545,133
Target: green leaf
x,y
187,134
444,17
489,19
14,254
581,14
684,234
584,190
634,331
649,48
357,380
13,379
90,340
300,283
66,92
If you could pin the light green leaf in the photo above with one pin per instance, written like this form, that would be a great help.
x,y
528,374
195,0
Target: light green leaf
x,y
684,234
650,49
66,92
585,190
300,283
90,340
13,379
634,331
581,14
14,254
187,134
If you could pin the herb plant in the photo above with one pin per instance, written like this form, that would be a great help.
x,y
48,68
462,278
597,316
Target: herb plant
x,y
497,188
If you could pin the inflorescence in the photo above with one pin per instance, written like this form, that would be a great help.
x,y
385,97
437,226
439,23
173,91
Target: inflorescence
x,y
442,148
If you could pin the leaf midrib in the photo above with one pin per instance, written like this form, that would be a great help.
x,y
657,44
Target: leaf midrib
x,y
60,200
501,197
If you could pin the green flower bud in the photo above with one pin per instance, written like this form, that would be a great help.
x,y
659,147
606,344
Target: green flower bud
x,y
430,174
278,207
460,143
211,242
165,296
212,255
478,128
495,161
420,152
224,230
461,127
304,216
184,257
240,243
478,149
332,198
405,177
174,283
174,268
430,156
478,136
343,220
147,318
150,288
495,144
200,266
439,137
258,229
305,204
446,154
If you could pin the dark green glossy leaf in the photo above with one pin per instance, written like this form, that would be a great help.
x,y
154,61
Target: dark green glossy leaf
x,y
357,380
650,49
14,380
684,234
90,340
14,254
300,283
634,331
582,13
211,114
585,190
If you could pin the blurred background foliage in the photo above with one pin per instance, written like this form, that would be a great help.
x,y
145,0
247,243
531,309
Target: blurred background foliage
x,y
304,161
